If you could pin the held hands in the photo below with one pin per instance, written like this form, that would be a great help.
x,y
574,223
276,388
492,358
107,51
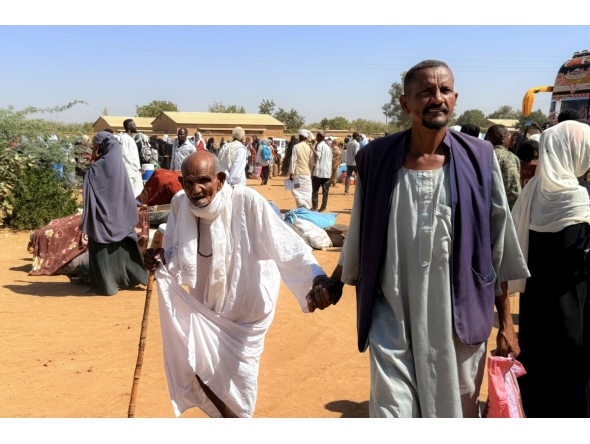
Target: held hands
x,y
151,257
324,292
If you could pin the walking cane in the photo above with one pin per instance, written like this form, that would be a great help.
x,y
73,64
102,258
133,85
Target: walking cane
x,y
156,241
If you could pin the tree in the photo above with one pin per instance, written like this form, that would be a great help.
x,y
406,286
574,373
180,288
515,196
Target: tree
x,y
393,110
291,119
154,108
474,117
504,112
266,107
365,126
30,143
337,123
221,108
536,116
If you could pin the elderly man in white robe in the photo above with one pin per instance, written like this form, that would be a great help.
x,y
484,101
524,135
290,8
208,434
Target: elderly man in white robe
x,y
229,247
233,157
131,156
302,163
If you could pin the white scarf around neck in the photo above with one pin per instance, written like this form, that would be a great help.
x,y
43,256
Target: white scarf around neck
x,y
183,262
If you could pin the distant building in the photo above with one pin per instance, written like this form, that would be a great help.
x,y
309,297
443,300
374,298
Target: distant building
x,y
511,124
218,124
143,124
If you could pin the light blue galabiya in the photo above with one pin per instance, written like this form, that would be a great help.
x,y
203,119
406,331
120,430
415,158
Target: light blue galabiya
x,y
419,367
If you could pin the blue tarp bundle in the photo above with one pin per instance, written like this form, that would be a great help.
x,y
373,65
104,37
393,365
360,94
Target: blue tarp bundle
x,y
275,208
322,220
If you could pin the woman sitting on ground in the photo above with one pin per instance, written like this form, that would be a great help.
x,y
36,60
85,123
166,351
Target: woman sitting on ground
x,y
109,219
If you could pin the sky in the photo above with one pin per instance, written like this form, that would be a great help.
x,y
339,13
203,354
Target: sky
x,y
321,71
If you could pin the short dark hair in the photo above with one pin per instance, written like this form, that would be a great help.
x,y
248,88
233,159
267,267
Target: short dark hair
x,y
355,135
568,114
470,129
181,129
527,151
495,133
126,122
424,64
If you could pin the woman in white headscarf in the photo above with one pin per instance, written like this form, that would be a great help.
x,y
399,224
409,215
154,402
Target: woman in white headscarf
x,y
199,142
552,217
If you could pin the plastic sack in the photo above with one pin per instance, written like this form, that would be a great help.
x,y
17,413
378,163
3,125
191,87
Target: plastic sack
x,y
275,209
504,399
322,220
317,238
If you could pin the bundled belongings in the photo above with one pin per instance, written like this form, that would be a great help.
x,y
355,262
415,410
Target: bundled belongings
x,y
160,188
317,238
337,233
322,220
59,242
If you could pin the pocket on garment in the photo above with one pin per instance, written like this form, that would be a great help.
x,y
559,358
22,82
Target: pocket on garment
x,y
441,247
485,279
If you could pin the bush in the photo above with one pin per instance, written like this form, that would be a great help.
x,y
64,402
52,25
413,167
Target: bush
x,y
38,198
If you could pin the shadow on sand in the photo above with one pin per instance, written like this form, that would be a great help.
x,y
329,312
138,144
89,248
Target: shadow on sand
x,y
349,409
57,289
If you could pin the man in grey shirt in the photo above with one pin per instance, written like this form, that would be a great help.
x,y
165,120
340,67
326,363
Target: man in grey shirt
x,y
352,148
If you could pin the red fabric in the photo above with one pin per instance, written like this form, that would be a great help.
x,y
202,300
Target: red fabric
x,y
527,171
60,241
201,145
160,188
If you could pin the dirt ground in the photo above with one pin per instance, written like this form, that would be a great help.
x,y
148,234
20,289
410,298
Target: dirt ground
x,y
66,354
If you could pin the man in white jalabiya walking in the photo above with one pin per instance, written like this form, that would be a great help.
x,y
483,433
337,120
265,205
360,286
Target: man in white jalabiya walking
x,y
229,247
131,156
321,172
233,158
302,161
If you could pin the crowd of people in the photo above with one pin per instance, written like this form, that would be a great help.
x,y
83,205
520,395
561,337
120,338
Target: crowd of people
x,y
444,227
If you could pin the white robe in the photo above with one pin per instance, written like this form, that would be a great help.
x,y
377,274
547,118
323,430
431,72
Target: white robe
x,y
132,164
224,347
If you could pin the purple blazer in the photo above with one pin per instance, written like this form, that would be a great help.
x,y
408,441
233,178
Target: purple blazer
x,y
472,273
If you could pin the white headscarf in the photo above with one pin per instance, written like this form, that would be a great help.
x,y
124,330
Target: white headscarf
x,y
535,137
183,261
304,133
553,199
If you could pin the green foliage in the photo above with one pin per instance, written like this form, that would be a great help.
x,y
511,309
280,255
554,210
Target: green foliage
x,y
221,108
266,107
337,123
153,109
535,116
504,112
474,117
12,166
292,120
368,127
393,110
39,198
35,146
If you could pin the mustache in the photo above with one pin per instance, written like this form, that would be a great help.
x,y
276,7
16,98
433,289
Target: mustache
x,y
436,108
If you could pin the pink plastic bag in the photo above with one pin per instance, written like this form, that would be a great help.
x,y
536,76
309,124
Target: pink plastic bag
x,y
504,399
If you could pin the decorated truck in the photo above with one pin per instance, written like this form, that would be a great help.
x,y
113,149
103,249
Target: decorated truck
x,y
571,89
